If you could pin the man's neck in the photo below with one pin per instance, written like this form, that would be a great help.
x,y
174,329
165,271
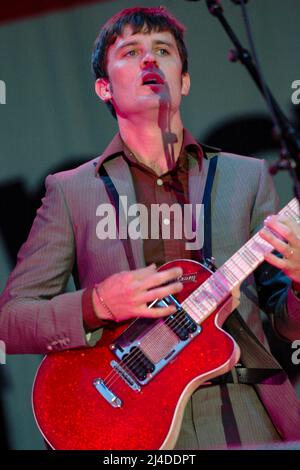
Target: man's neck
x,y
158,149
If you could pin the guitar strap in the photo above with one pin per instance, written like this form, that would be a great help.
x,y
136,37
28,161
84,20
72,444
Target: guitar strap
x,y
269,379
206,201
114,199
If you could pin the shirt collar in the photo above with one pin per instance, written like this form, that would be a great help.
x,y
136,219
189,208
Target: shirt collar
x,y
116,147
189,142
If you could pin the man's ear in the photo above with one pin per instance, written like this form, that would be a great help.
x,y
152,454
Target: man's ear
x,y
103,89
186,84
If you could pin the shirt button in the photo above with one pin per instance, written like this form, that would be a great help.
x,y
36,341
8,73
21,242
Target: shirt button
x,y
166,221
159,182
49,347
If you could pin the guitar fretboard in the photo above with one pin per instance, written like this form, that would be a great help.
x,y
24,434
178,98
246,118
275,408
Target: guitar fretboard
x,y
204,300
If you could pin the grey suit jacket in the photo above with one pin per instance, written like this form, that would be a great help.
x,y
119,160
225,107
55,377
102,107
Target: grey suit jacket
x,y
37,316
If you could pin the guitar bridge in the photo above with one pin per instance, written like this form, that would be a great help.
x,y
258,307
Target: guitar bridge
x,y
109,396
107,393
125,376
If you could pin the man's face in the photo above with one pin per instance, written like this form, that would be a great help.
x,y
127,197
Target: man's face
x,y
144,73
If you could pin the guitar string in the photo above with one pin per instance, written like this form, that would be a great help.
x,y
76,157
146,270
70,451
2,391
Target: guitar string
x,y
180,322
183,323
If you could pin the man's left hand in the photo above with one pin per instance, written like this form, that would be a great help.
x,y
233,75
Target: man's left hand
x,y
284,235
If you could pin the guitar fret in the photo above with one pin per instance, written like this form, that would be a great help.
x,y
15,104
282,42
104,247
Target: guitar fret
x,y
193,310
203,299
292,206
251,256
220,290
236,265
212,294
229,275
203,315
244,263
293,214
204,312
204,293
260,247
197,304
218,285
197,309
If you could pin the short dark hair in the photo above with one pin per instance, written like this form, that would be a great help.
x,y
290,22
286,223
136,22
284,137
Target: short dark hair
x,y
140,19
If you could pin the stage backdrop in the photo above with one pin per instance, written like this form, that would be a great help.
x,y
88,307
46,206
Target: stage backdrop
x,y
50,118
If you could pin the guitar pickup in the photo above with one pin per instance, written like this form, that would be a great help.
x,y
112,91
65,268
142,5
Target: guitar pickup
x,y
148,344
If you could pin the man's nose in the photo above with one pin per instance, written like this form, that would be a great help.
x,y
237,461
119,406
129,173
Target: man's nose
x,y
149,59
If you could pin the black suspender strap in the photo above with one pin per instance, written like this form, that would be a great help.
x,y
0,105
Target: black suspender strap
x,y
114,199
207,248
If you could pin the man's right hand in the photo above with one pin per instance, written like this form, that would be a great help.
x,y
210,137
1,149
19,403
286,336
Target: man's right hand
x,y
126,294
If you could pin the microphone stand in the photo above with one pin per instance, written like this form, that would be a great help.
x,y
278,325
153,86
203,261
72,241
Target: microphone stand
x,y
288,134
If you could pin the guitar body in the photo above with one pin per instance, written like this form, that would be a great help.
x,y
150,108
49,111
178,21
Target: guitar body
x,y
72,414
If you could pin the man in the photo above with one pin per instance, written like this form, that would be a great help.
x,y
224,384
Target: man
x,y
140,64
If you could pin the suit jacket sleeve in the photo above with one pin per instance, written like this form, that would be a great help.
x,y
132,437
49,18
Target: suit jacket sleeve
x,y
36,316
274,287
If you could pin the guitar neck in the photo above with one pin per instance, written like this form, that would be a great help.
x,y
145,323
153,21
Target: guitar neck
x,y
217,288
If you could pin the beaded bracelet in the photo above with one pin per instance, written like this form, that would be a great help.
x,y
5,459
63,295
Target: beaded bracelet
x,y
101,300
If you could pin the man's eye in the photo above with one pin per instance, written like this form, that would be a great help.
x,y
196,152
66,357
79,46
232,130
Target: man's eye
x,y
163,51
131,53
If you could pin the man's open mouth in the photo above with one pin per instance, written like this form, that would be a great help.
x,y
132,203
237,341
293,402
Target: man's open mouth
x,y
152,79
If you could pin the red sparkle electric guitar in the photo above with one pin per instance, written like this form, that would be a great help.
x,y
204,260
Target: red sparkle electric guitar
x,y
130,390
